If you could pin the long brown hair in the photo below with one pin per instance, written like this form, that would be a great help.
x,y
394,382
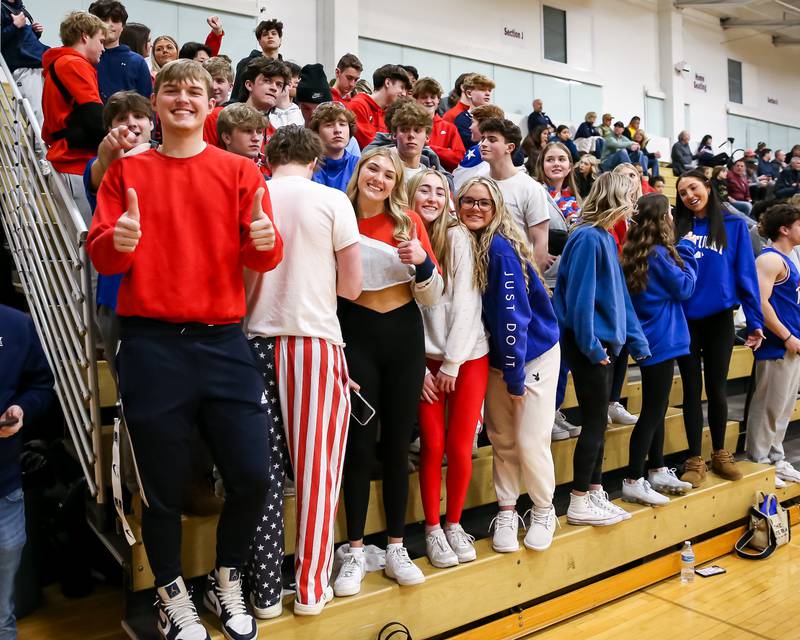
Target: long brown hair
x,y
650,227
569,180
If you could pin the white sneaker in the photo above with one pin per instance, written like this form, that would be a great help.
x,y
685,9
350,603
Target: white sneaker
x,y
641,492
664,480
786,471
224,598
584,510
541,528
400,567
600,498
301,609
177,616
462,544
779,484
266,613
438,550
351,573
617,414
559,432
561,421
506,527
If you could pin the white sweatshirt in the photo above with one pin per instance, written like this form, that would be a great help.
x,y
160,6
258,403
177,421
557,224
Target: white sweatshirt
x,y
454,331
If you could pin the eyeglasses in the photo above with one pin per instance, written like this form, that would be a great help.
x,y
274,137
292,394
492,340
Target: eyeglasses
x,y
484,204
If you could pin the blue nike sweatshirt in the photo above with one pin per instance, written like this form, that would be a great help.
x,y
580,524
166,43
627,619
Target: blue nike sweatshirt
x,y
336,173
121,69
591,298
26,381
726,277
659,308
521,322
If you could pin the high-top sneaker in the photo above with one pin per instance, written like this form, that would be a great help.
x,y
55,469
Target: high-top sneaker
x,y
177,616
225,599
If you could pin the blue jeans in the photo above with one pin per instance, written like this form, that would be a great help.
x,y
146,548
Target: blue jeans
x,y
637,157
614,159
743,206
598,148
12,539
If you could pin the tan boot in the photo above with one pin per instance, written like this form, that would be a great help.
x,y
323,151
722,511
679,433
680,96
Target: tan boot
x,y
694,471
723,464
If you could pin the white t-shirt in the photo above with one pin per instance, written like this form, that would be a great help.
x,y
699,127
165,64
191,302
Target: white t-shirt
x,y
409,173
525,199
298,297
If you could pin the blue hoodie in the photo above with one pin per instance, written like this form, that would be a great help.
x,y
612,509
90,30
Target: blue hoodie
x,y
521,323
336,173
21,47
659,308
591,298
120,69
726,277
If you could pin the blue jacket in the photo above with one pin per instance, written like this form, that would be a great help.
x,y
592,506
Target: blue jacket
x,y
21,48
521,322
786,184
591,298
586,130
659,308
726,277
336,173
120,69
537,119
25,380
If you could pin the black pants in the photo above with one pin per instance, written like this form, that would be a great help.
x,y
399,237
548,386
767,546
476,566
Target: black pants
x,y
592,388
709,359
173,379
618,377
648,434
386,355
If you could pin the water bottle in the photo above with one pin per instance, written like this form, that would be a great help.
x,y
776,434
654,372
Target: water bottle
x,y
687,563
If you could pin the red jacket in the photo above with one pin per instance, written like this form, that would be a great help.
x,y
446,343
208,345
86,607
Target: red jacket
x,y
83,107
446,142
337,97
369,118
456,111
195,216
214,42
738,187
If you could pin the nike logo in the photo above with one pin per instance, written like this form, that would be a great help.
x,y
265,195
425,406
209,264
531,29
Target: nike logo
x,y
164,625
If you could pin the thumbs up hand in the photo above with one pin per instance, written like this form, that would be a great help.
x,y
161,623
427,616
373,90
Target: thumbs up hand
x,y
128,231
262,232
411,251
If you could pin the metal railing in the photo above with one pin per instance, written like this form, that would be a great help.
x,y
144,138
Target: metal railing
x,y
47,237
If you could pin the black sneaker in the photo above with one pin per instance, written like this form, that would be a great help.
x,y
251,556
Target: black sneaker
x,y
224,598
177,616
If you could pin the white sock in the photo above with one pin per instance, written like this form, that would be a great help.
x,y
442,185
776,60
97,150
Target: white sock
x,y
357,550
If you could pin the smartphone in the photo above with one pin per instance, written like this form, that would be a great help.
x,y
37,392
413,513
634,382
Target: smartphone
x,y
707,572
361,410
8,422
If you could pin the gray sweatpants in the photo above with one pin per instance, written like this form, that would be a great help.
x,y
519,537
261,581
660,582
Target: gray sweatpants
x,y
771,407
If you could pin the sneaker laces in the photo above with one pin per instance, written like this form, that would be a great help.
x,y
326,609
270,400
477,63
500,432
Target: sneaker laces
x,y
440,541
180,610
231,598
695,464
543,519
349,567
723,455
600,498
400,553
501,520
462,537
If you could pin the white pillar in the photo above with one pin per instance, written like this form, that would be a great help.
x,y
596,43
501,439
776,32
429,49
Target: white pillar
x,y
670,51
337,31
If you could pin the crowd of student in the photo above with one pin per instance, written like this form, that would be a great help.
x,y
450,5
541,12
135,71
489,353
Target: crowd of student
x,y
408,260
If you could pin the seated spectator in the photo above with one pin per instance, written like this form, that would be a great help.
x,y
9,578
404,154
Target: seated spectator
x,y
457,99
22,50
412,72
478,91
765,166
779,162
348,71
136,36
312,90
564,136
719,183
788,183
588,138
585,173
616,147
641,138
285,111
119,69
706,156
390,82
73,110
794,152
554,171
760,186
538,117
739,187
165,49
269,34
632,128
444,138
195,51
533,144
241,128
222,76
473,165
335,126
682,157
605,127
658,184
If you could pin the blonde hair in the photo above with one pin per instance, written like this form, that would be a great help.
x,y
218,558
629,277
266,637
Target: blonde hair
x,y
502,223
153,62
636,191
607,202
590,115
396,203
183,70
593,161
218,67
443,223
77,24
477,81
240,116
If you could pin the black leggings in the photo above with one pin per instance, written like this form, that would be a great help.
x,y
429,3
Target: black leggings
x,y
618,377
592,387
648,434
386,355
712,345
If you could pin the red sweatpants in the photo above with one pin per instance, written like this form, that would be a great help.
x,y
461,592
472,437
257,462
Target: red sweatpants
x,y
463,408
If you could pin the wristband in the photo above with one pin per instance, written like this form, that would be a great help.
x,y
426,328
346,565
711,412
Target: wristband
x,y
789,336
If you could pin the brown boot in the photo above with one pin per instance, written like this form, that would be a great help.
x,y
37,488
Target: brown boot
x,y
723,464
694,471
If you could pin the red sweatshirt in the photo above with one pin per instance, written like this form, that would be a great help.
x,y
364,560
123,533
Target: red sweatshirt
x,y
452,114
337,97
369,118
211,136
446,142
214,42
79,78
195,216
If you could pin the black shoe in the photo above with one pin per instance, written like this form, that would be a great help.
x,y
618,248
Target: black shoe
x,y
177,616
224,598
